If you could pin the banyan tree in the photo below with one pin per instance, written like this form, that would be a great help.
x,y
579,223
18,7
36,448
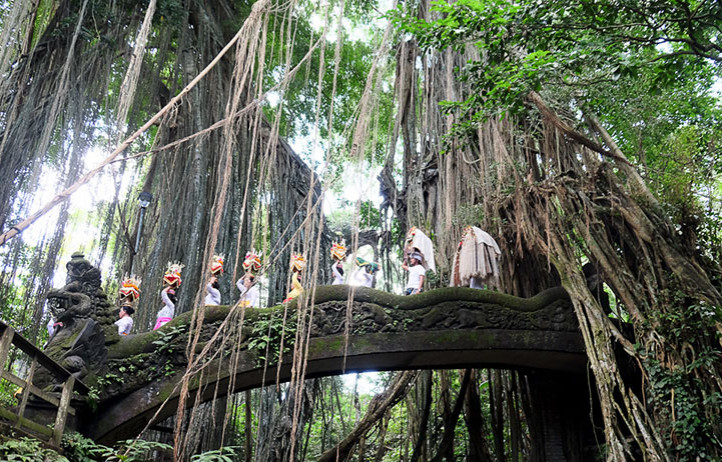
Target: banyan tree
x,y
585,137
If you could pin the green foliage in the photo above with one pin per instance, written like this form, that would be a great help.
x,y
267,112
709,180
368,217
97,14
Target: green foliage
x,y
688,423
92,398
166,344
575,47
135,451
341,219
81,449
18,291
27,450
77,448
108,379
224,454
301,106
676,369
648,71
169,12
7,394
267,332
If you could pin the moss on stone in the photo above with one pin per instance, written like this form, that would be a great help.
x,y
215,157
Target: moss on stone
x,y
375,312
319,345
433,297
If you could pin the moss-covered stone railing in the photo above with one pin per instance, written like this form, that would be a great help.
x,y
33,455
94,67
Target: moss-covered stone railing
x,y
443,328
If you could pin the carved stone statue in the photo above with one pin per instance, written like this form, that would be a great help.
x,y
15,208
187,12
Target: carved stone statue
x,y
85,320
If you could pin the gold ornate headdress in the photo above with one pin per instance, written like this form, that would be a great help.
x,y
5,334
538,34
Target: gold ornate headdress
x,y
338,250
129,290
217,265
410,235
172,275
298,262
252,263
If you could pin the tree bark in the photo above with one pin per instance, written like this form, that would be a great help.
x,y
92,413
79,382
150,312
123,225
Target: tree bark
x,y
420,445
497,413
446,448
478,446
383,428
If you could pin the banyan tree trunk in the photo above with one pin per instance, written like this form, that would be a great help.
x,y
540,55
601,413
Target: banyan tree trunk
x,y
478,445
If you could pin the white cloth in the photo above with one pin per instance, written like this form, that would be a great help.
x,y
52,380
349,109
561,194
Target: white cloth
x,y
363,278
475,283
124,325
51,327
476,258
213,295
415,274
251,297
482,237
426,248
169,309
337,276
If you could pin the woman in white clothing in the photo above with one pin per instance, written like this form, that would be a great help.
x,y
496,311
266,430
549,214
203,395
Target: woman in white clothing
x,y
166,313
250,296
364,275
338,253
247,283
213,295
125,322
172,279
337,270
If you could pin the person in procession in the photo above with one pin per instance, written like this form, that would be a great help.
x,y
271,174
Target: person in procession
x,y
365,273
298,263
417,273
250,295
129,293
172,279
125,321
338,253
476,261
213,294
418,258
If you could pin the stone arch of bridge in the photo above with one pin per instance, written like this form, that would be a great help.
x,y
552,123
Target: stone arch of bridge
x,y
543,337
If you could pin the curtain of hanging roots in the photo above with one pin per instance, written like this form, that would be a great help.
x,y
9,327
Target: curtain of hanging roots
x,y
47,94
548,194
178,177
245,51
311,212
560,200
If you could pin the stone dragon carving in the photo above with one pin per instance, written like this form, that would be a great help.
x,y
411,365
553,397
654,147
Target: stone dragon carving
x,y
443,309
85,320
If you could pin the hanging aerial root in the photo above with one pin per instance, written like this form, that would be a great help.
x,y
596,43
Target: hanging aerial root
x,y
64,195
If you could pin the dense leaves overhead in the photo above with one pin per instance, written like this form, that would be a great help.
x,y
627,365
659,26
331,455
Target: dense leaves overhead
x,y
533,44
649,70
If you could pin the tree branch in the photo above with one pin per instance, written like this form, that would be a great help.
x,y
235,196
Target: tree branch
x,y
445,451
378,407
554,119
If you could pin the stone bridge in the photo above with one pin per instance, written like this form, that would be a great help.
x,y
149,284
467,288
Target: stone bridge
x,y
443,328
